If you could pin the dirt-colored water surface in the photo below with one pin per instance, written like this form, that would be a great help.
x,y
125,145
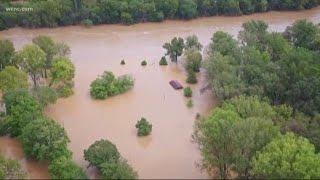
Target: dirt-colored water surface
x,y
168,152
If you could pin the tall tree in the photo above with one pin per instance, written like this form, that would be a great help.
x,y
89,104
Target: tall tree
x,y
174,48
48,46
254,33
33,61
193,42
223,43
215,137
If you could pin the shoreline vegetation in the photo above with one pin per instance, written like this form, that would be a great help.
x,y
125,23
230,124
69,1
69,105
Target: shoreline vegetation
x,y
55,13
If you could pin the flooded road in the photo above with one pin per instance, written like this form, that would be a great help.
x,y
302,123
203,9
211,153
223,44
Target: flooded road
x,y
168,152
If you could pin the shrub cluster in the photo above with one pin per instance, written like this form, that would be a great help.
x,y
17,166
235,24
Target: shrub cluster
x,y
144,127
187,92
108,85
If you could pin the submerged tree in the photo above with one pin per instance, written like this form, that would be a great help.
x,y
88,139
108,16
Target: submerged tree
x,y
100,152
174,48
48,46
192,42
144,127
193,60
108,85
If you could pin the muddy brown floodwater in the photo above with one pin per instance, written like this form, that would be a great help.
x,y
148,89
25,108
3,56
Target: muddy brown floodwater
x,y
169,151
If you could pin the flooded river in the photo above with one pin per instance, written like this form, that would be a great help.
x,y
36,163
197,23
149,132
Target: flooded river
x,y
168,152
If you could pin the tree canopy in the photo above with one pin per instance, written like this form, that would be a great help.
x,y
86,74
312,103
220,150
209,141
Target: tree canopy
x,y
101,151
45,139
174,48
288,156
22,108
7,53
33,60
61,12
64,168
230,137
13,79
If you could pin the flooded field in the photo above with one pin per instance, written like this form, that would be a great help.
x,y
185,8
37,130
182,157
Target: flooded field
x,y
168,152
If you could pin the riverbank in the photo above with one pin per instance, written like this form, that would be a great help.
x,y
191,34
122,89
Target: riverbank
x,y
61,13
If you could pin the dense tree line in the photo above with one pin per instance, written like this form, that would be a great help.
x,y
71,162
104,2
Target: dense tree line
x,y
43,139
53,13
267,125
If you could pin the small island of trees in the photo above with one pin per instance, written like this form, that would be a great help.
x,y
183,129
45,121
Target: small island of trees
x,y
108,85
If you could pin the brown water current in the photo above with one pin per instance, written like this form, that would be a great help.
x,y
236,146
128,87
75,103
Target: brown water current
x,y
168,152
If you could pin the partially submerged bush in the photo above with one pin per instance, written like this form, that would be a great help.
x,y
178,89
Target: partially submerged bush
x,y
187,92
190,103
144,63
144,127
11,169
163,61
100,152
192,78
108,85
